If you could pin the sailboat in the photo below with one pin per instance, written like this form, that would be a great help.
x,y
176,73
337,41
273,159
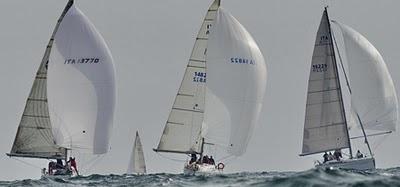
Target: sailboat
x,y
220,97
71,103
136,163
372,100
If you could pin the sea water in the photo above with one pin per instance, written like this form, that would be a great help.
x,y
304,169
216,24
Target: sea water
x,y
312,177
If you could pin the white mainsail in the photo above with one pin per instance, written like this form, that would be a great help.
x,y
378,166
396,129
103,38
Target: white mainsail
x,y
373,94
182,131
325,122
236,81
34,137
137,164
81,86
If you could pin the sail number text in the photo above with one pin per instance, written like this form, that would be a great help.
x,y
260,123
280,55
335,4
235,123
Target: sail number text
x,y
243,61
81,61
199,77
319,67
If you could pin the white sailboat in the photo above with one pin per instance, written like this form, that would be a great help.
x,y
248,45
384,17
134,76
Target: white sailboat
x,y
71,103
137,164
372,97
220,97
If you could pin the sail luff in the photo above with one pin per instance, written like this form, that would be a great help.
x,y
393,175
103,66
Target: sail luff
x,y
325,125
182,131
35,125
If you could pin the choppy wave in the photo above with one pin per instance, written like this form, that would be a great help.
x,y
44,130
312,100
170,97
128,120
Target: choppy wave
x,y
313,177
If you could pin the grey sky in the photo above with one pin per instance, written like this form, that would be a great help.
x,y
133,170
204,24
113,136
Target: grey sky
x,y
151,42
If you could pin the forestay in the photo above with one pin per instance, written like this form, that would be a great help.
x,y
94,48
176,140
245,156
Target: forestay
x,y
137,164
182,131
373,94
34,137
325,124
81,86
236,81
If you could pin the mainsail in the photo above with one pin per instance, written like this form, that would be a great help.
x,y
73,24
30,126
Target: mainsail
x,y
182,132
325,125
373,94
137,163
236,81
34,137
81,86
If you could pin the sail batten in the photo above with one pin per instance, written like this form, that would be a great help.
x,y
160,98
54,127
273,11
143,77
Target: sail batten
x,y
325,126
182,132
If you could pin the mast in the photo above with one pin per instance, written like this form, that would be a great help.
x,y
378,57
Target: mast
x,y
340,88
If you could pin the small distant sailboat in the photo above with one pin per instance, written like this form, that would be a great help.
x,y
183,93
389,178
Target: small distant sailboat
x,y
137,164
373,97
71,103
220,97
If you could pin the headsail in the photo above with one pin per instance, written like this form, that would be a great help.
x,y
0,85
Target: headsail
x,y
236,81
34,137
182,131
81,86
325,122
373,94
137,163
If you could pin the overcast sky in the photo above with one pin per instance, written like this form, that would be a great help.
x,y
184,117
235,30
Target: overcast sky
x,y
151,41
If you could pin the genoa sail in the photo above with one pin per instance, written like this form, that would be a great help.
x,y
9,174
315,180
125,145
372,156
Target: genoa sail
x,y
182,132
81,86
137,164
325,125
236,82
373,95
34,137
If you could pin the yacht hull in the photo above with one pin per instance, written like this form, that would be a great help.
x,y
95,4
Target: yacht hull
x,y
354,164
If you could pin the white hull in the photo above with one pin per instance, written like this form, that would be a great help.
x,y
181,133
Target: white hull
x,y
355,164
60,173
201,169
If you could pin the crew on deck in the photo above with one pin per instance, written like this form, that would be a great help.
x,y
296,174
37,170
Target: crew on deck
x,y
193,158
337,154
359,154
